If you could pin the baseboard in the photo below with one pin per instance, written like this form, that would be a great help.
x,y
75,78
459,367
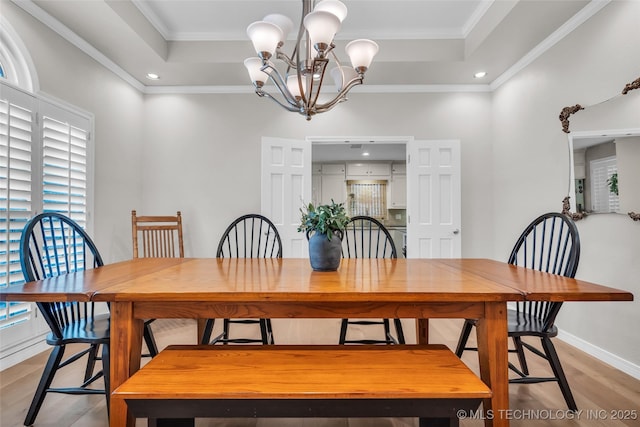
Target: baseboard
x,y
23,353
600,354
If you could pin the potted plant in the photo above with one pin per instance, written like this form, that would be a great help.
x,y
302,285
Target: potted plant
x,y
324,226
612,182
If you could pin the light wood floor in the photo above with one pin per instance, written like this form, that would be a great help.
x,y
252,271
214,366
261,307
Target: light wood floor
x,y
601,392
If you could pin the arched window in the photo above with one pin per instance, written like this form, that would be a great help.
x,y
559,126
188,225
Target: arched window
x,y
46,153
16,65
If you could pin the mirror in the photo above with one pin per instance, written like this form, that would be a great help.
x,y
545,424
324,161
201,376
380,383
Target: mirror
x,y
604,148
606,176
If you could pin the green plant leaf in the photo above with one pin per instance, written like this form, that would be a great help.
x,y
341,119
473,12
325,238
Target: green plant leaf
x,y
324,219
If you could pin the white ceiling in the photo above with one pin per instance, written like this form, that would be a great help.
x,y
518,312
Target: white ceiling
x,y
202,44
425,45
355,151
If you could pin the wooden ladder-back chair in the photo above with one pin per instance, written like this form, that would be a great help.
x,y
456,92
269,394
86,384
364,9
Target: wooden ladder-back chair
x,y
156,237
161,236
366,237
249,236
551,244
53,245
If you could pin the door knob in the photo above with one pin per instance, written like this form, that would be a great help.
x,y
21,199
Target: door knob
x,y
456,231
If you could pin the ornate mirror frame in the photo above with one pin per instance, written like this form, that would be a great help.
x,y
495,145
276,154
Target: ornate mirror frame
x,y
600,132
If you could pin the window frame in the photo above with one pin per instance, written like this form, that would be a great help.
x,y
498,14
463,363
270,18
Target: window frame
x,y
28,333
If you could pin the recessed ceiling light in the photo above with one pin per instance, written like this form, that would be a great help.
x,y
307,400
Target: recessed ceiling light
x,y
480,74
365,153
153,76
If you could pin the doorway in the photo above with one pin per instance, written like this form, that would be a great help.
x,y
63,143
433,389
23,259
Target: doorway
x,y
433,191
368,175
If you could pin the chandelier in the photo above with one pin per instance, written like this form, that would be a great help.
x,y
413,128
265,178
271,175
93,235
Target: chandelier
x,y
300,84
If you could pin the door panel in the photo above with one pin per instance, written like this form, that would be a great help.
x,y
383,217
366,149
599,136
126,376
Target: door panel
x,y
433,202
286,186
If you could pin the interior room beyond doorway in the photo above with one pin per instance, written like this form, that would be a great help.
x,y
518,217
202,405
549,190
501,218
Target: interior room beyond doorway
x,y
368,175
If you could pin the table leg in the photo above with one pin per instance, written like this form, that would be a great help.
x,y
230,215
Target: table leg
x,y
492,352
422,331
126,347
201,325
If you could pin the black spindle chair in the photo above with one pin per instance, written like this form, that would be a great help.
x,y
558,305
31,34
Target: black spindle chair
x,y
53,245
249,236
366,237
551,244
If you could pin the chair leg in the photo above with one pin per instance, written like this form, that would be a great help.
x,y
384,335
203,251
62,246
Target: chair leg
x,y
264,334
343,331
554,361
150,340
517,342
270,332
225,329
106,370
399,331
208,330
387,331
464,337
91,362
49,372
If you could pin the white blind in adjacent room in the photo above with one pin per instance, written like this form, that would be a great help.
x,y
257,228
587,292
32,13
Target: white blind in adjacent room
x,y
602,199
367,198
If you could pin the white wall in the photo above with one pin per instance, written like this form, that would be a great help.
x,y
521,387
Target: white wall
x,y
205,152
68,74
201,153
628,160
531,168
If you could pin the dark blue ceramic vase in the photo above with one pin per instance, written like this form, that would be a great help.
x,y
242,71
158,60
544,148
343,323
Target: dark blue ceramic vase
x,y
325,254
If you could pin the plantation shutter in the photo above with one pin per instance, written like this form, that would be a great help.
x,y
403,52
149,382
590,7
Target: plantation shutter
x,y
16,144
43,167
603,200
64,167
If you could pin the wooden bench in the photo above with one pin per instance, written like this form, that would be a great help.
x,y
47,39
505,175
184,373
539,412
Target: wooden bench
x,y
185,382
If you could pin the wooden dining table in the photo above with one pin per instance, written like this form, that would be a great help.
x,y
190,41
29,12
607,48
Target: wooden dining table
x,y
420,289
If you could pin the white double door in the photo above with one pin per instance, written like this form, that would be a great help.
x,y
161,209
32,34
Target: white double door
x,y
433,195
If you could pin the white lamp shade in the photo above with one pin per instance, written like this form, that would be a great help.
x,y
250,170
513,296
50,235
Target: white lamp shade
x,y
253,66
322,27
333,6
265,36
337,74
283,22
361,53
292,84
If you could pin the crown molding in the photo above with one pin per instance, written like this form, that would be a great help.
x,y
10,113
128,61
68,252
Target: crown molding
x,y
248,89
588,11
565,29
155,21
64,32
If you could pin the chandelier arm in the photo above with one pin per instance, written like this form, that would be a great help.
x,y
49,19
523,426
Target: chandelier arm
x,y
291,108
335,58
330,50
302,89
318,64
341,95
306,60
284,58
281,86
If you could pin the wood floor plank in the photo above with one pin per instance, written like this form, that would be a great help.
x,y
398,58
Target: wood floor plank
x,y
601,391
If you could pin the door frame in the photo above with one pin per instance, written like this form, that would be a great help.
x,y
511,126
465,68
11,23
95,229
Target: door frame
x,y
406,140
